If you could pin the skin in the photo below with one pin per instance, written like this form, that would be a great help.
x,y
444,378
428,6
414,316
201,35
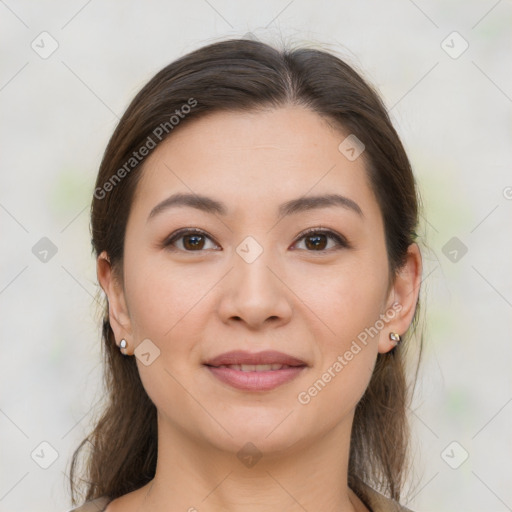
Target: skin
x,y
303,301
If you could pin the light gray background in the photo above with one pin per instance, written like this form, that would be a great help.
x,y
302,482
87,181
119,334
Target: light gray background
x,y
453,112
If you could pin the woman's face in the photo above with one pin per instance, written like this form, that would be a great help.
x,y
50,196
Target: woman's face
x,y
252,281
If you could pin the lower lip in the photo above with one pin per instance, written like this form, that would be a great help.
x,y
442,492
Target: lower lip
x,y
256,381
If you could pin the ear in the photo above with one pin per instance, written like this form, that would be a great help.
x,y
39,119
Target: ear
x,y
402,299
118,312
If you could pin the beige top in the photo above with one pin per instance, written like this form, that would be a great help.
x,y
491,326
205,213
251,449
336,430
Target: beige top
x,y
375,501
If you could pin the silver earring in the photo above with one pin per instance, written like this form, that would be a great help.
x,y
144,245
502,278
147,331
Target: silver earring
x,y
393,336
122,345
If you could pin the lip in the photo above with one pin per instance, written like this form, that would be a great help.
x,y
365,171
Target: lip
x,y
255,380
265,357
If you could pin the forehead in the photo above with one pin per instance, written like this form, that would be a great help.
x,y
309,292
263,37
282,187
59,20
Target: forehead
x,y
254,159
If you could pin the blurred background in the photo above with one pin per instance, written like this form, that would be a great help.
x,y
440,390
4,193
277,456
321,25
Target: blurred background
x,y
68,71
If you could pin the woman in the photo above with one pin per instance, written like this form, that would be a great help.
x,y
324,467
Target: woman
x,y
254,224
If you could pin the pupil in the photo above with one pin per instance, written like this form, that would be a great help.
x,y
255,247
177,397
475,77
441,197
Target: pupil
x,y
318,239
193,241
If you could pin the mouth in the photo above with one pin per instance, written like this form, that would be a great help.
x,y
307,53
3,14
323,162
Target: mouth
x,y
261,371
255,367
255,380
244,358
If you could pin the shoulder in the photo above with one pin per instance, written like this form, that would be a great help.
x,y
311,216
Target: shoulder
x,y
376,501
380,503
97,505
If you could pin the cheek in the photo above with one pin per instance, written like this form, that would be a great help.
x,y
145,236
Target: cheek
x,y
347,298
349,303
350,308
160,297
164,307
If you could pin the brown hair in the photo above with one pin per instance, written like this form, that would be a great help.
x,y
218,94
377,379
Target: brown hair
x,y
233,75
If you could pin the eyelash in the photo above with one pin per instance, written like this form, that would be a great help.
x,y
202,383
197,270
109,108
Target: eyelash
x,y
340,240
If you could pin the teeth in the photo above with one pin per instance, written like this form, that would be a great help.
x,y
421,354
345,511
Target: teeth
x,y
255,367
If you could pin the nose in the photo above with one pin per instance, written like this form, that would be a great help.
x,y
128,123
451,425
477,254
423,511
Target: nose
x,y
254,293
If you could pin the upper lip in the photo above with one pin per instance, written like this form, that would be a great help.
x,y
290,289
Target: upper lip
x,y
265,357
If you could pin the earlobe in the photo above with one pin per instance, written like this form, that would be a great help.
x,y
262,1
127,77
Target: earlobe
x,y
117,309
404,297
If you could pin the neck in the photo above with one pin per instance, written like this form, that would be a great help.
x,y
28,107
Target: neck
x,y
194,476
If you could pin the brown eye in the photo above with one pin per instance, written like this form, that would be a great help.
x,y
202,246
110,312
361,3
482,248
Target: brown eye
x,y
193,241
188,240
318,240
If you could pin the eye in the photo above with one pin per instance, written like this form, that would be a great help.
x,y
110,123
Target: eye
x,y
189,240
195,240
317,240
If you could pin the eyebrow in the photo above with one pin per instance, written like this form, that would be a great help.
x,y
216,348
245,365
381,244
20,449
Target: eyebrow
x,y
301,204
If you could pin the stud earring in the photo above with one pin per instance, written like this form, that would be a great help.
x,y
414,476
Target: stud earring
x,y
122,345
393,336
